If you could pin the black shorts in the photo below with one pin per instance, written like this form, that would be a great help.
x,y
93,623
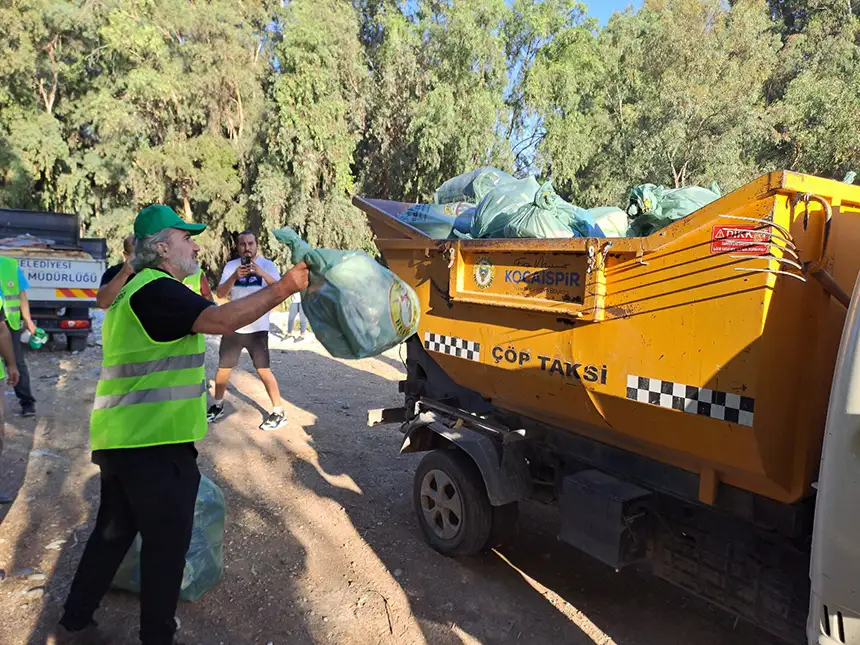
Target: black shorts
x,y
257,344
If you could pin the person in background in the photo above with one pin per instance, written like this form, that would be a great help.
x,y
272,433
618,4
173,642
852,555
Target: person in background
x,y
243,277
17,309
117,276
199,285
149,409
11,374
296,310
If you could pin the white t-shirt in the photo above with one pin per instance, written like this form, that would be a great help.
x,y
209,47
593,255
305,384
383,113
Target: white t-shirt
x,y
248,285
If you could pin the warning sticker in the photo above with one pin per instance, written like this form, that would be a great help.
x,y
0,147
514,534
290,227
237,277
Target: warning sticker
x,y
744,240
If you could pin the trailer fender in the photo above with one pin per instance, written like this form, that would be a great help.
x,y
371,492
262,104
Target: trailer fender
x,y
503,467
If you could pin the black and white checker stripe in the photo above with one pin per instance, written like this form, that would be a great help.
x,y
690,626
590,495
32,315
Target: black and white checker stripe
x,y
724,406
453,346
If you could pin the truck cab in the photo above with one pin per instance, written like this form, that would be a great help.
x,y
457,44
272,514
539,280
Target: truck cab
x,y
834,612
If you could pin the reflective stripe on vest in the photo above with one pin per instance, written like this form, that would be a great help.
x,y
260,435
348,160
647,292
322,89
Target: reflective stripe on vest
x,y
128,370
149,393
11,291
2,366
155,395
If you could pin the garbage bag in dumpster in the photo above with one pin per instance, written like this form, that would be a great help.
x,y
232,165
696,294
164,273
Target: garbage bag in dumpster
x,y
654,207
471,186
540,218
357,308
435,220
204,561
611,221
526,209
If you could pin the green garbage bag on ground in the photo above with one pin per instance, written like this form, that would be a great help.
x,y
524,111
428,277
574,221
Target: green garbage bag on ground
x,y
204,560
435,220
611,221
655,207
356,307
471,186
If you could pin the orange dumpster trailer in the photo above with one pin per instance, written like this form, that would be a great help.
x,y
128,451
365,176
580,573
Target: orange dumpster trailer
x,y
669,393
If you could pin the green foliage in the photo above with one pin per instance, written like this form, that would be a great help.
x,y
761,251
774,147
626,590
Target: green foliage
x,y
265,113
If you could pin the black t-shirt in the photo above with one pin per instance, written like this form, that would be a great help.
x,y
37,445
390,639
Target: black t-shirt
x,y
167,308
110,274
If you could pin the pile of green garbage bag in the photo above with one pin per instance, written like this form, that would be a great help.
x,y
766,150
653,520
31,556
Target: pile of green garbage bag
x,y
652,208
356,307
435,220
490,203
607,221
204,560
526,209
471,186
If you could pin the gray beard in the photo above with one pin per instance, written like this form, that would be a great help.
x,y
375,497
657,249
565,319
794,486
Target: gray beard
x,y
189,267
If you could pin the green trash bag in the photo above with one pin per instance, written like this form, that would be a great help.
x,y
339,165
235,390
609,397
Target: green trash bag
x,y
204,560
471,186
500,205
356,307
655,207
435,220
540,218
610,221
526,209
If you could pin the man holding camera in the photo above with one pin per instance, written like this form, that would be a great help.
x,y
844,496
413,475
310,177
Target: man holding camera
x,y
241,277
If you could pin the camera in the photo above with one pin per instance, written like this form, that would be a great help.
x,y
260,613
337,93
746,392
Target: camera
x,y
246,260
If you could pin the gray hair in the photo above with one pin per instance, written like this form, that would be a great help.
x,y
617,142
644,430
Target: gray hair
x,y
146,255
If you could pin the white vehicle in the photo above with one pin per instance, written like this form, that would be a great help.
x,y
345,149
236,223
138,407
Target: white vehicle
x,y
63,269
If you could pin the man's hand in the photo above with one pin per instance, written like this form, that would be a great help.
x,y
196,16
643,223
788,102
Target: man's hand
x,y
296,279
243,270
13,377
31,326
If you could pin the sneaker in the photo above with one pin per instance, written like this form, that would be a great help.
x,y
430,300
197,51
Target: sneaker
x,y
275,421
215,412
28,410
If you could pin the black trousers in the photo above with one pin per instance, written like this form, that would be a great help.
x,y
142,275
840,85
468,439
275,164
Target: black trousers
x,y
22,390
151,491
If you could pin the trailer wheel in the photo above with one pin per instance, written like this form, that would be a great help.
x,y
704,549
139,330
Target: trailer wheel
x,y
451,503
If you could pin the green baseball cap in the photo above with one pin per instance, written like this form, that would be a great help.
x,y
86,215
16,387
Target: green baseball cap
x,y
158,217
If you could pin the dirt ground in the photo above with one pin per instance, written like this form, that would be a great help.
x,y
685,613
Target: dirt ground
x,y
321,544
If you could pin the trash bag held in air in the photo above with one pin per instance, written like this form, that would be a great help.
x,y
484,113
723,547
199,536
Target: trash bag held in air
x,y
357,308
471,186
435,220
204,561
655,207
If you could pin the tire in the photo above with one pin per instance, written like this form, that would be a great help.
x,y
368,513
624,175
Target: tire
x,y
462,526
504,523
76,343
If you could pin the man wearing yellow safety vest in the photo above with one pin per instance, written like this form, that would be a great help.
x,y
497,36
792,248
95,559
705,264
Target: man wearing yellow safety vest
x,y
149,409
117,276
16,306
8,355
